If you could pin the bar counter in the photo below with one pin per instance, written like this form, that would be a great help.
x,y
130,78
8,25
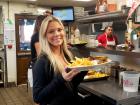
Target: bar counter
x,y
109,90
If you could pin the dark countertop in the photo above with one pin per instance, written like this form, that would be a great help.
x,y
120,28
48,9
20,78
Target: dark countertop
x,y
111,91
85,51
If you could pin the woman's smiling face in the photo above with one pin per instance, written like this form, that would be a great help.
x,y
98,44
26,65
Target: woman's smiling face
x,y
55,34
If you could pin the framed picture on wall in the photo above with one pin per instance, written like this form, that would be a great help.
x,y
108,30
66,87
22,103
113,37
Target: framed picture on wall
x,y
137,15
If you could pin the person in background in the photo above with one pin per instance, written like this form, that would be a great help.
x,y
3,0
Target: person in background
x,y
53,84
75,34
107,39
101,6
35,47
47,13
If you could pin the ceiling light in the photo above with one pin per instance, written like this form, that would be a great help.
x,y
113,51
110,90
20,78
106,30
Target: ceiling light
x,y
83,0
32,0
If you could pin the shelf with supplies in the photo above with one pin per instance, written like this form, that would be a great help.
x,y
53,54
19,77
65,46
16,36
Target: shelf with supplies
x,y
102,17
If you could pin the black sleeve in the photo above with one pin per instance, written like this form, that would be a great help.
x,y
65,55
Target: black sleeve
x,y
44,90
35,38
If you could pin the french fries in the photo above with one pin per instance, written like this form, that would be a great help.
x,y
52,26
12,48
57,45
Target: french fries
x,y
80,62
93,74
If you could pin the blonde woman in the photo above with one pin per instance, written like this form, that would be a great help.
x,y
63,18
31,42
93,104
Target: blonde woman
x,y
51,83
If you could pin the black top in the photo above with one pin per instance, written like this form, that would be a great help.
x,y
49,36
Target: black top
x,y
52,89
34,39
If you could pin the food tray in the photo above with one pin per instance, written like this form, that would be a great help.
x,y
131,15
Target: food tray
x,y
78,45
86,68
96,79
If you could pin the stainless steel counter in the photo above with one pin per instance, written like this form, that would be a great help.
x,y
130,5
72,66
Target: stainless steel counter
x,y
110,91
84,50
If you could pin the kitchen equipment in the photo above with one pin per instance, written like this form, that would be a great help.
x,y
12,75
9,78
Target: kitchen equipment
x,y
92,42
130,80
115,67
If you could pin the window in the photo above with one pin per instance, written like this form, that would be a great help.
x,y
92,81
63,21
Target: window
x,y
26,28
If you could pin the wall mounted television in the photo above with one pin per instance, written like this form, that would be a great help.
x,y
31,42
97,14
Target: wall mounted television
x,y
65,14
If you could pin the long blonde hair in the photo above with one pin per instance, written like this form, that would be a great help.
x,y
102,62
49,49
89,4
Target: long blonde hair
x,y
45,46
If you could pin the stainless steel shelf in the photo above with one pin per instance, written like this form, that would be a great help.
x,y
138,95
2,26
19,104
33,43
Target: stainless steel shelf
x,y
86,50
102,17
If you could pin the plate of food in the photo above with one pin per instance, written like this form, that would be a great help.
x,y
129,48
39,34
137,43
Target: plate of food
x,y
80,64
93,75
84,64
78,44
100,61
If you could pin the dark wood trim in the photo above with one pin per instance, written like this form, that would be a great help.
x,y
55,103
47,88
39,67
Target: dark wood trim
x,y
22,57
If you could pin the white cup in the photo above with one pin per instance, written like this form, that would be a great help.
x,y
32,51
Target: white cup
x,y
130,80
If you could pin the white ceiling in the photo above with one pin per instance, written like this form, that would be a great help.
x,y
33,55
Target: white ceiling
x,y
56,3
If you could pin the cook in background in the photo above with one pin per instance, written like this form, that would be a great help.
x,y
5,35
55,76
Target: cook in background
x,y
107,39
101,6
52,83
47,13
75,34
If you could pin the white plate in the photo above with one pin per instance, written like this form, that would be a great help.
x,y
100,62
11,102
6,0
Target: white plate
x,y
86,68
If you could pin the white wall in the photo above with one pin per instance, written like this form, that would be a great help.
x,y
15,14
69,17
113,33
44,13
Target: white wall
x,y
14,8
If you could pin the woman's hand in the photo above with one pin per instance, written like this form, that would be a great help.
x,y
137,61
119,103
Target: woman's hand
x,y
69,75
